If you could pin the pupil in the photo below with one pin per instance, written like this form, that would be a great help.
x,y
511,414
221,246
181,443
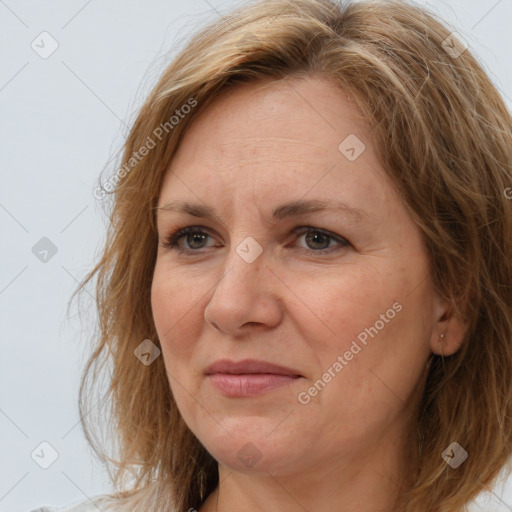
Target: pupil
x,y
195,237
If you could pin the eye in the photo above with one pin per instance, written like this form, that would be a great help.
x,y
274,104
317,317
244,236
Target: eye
x,y
192,235
195,237
318,237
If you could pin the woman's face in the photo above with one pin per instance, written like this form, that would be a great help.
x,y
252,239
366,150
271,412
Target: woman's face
x,y
344,305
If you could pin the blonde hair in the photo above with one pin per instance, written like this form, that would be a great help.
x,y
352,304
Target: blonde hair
x,y
443,135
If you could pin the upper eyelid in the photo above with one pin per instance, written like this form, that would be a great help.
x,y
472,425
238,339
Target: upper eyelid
x,y
210,230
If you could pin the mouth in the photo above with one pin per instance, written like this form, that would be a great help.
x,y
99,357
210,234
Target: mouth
x,y
249,377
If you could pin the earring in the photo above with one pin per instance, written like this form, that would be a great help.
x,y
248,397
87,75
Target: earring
x,y
441,336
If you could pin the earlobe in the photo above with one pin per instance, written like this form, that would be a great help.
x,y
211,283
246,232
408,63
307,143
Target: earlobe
x,y
448,334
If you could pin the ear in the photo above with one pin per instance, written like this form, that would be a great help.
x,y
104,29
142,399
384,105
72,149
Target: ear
x,y
449,330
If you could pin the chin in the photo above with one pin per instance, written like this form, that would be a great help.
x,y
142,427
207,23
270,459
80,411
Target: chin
x,y
251,445
251,456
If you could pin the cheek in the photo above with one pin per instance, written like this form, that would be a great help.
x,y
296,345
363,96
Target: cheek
x,y
374,318
333,311
175,314
380,378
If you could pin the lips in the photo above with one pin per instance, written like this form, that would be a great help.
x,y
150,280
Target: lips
x,y
249,377
249,366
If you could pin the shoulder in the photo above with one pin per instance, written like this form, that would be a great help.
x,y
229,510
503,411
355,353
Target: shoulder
x,y
138,500
95,504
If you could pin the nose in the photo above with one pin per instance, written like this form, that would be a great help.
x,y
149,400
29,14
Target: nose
x,y
246,295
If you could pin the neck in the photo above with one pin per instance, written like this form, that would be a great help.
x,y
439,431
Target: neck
x,y
367,481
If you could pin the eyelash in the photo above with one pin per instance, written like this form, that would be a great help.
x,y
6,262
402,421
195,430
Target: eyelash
x,y
171,241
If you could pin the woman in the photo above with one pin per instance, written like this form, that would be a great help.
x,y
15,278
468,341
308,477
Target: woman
x,y
341,336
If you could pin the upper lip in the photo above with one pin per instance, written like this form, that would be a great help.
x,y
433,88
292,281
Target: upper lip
x,y
249,366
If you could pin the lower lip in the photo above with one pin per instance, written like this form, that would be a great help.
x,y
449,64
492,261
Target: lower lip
x,y
249,384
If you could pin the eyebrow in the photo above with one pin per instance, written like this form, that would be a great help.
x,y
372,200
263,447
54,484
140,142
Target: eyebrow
x,y
289,209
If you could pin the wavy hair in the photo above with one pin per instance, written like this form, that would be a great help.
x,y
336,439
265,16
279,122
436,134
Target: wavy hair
x,y
444,137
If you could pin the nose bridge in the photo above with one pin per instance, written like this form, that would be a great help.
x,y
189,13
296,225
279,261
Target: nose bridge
x,y
246,239
244,261
241,296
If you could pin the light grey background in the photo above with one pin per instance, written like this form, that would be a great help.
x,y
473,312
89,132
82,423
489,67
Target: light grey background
x,y
61,119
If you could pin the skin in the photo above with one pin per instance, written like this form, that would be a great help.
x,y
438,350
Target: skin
x,y
257,146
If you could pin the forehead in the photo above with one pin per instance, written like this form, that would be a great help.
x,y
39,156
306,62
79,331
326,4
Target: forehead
x,y
276,141
258,117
